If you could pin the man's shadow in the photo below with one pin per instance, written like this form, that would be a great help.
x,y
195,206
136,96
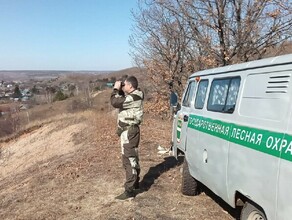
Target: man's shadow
x,y
154,172
170,162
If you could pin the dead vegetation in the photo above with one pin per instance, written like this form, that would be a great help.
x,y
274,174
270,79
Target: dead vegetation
x,y
69,167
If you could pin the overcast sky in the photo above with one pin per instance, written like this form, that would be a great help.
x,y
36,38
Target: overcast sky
x,y
65,34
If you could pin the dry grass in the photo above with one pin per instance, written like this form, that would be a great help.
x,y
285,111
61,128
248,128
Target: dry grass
x,y
70,168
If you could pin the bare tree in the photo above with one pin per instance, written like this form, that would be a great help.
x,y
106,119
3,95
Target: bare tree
x,y
172,38
229,31
87,91
49,93
159,43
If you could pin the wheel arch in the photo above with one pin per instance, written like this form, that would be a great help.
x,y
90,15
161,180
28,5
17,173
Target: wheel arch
x,y
240,200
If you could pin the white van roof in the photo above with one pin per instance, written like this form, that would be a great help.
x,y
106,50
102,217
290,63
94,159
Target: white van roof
x,y
267,62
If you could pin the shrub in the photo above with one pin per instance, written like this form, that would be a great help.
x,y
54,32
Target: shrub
x,y
60,96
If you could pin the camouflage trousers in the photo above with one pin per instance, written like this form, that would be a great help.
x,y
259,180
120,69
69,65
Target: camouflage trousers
x,y
130,139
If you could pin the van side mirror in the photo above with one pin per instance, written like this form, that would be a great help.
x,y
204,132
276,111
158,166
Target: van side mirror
x,y
176,108
174,104
173,99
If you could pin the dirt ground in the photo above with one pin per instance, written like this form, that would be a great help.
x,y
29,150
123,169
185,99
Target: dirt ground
x,y
70,167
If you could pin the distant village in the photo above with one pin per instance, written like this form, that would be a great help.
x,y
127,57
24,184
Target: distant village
x,y
17,90
7,91
29,92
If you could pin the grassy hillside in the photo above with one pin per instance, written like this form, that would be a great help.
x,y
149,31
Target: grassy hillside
x,y
68,166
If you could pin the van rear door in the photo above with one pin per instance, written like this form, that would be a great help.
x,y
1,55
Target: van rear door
x,y
284,208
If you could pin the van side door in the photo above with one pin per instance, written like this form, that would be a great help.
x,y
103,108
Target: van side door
x,y
208,132
181,120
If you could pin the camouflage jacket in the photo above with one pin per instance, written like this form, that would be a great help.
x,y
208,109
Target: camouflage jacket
x,y
130,107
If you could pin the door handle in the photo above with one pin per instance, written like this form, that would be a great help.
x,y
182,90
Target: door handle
x,y
186,118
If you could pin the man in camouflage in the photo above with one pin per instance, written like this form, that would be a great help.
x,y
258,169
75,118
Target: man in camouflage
x,y
128,98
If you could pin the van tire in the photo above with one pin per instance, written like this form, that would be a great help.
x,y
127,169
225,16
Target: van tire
x,y
252,212
189,186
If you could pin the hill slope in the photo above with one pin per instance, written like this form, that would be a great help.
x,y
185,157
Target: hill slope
x,y
69,167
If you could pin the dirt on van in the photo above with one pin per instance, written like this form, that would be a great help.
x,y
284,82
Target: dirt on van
x,y
69,167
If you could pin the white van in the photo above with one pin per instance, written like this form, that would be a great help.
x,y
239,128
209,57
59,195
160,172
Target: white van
x,y
235,130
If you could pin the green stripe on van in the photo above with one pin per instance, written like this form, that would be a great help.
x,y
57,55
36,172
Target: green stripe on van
x,y
272,143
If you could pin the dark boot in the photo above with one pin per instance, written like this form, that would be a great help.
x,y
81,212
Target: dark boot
x,y
137,185
126,195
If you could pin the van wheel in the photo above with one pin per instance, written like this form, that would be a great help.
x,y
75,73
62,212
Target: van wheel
x,y
189,186
251,212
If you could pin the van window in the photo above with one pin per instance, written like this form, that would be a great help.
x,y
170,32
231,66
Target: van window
x,y
201,94
189,94
223,95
